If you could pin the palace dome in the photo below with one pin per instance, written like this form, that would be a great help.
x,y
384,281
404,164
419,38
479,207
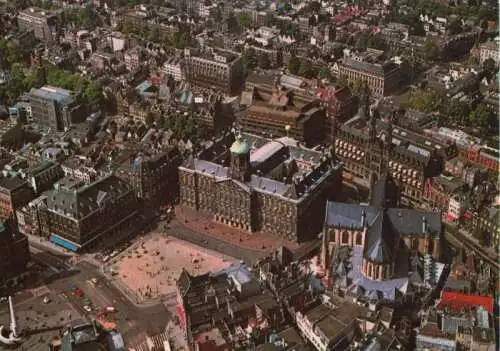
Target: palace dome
x,y
240,146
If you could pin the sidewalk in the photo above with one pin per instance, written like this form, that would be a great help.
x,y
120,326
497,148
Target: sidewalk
x,y
38,241
258,241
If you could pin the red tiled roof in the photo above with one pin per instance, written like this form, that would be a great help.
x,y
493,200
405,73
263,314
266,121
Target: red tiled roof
x,y
458,301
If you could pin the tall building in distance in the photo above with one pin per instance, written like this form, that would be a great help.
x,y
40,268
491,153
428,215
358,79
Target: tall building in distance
x,y
275,111
214,68
55,108
258,184
382,77
44,24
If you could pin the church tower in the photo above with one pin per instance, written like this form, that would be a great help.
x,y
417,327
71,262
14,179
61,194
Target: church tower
x,y
240,159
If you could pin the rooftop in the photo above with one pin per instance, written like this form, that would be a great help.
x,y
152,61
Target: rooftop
x,y
61,96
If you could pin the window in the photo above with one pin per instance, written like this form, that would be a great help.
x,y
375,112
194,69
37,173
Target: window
x,y
345,237
414,244
431,246
359,239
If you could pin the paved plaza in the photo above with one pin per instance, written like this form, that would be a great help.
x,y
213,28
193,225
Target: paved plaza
x,y
150,269
256,241
40,322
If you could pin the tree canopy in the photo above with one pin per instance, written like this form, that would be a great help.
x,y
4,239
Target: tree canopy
x,y
86,17
244,20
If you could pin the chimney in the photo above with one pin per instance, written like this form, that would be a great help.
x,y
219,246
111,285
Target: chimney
x,y
424,225
363,218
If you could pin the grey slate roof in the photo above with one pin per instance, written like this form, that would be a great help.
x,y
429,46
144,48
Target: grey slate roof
x,y
380,241
404,221
79,203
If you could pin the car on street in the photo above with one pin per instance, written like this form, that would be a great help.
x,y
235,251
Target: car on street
x,y
87,308
110,309
46,300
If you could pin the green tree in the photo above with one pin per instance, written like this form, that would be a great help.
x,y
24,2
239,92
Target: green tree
x,y
430,50
482,117
305,69
244,20
293,65
490,66
10,53
86,17
457,111
94,95
324,73
269,20
16,83
356,86
34,78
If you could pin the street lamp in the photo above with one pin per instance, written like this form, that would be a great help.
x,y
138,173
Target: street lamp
x,y
287,129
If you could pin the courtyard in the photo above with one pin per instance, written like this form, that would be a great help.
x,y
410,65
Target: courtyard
x,y
150,268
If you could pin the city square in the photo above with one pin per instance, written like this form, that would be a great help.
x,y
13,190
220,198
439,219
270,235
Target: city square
x,y
150,269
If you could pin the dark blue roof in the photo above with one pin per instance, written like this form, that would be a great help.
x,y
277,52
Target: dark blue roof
x,y
339,214
404,221
380,241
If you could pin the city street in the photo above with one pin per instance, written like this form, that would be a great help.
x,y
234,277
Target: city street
x,y
131,319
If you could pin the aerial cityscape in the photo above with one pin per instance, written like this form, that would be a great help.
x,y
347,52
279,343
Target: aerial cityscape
x,y
273,175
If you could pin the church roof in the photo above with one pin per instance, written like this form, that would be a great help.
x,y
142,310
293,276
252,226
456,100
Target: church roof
x,y
385,192
381,238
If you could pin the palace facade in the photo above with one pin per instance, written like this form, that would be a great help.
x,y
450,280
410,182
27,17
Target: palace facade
x,y
257,184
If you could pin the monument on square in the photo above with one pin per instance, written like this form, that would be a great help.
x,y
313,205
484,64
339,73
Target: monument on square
x,y
10,336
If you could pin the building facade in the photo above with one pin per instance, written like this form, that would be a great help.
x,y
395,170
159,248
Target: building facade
x,y
44,24
362,144
277,112
488,50
485,156
215,69
14,193
153,178
174,67
78,218
55,108
257,184
381,78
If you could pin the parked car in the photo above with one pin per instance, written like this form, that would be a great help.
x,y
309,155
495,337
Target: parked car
x,y
87,308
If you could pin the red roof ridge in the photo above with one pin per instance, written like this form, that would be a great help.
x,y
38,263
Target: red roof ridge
x,y
457,301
